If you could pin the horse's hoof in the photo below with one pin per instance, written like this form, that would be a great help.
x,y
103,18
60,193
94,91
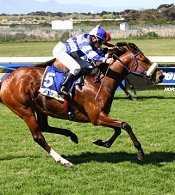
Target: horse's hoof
x,y
101,143
74,138
68,165
98,142
107,144
134,99
140,156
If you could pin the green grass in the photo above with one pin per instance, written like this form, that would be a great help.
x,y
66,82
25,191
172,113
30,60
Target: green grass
x,y
26,49
155,47
27,169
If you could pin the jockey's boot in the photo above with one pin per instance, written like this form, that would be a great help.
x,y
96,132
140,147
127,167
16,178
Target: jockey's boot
x,y
65,86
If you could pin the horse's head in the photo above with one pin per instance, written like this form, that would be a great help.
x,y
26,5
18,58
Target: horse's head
x,y
135,62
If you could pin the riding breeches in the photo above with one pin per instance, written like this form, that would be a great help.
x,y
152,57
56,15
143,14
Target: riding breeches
x,y
74,64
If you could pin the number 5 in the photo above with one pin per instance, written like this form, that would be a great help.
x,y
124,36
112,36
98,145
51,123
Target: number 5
x,y
48,81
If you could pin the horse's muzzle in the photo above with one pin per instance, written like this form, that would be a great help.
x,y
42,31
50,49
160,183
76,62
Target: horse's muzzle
x,y
157,77
160,78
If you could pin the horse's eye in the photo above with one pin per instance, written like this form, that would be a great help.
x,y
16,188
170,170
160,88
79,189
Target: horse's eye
x,y
144,60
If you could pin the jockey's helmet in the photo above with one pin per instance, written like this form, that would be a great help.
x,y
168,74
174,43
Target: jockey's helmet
x,y
99,32
108,36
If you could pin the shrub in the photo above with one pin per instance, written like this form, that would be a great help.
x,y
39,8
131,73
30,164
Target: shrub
x,y
151,35
142,35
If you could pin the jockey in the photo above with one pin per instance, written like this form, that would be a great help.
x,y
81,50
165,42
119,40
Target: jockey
x,y
69,53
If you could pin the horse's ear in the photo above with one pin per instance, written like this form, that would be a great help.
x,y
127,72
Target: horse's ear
x,y
121,44
133,47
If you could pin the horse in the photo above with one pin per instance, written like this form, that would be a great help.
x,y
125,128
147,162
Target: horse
x,y
91,103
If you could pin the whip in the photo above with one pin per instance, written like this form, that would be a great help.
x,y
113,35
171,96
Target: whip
x,y
102,82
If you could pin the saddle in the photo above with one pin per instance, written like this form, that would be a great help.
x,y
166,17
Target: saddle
x,y
53,78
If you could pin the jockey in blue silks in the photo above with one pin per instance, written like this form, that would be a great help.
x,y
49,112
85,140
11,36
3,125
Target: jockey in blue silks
x,y
69,53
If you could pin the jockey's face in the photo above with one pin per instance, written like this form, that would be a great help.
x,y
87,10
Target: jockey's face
x,y
96,42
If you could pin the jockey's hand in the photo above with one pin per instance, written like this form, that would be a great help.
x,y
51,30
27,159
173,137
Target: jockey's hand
x,y
98,63
110,61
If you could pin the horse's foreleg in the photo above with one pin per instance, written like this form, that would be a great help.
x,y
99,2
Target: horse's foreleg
x,y
130,97
108,144
130,85
39,138
140,154
43,123
105,120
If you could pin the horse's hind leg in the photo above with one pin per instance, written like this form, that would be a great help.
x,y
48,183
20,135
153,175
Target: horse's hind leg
x,y
39,138
44,126
28,116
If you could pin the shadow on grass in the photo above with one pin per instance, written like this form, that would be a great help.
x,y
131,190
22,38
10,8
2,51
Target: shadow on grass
x,y
155,158
143,98
16,156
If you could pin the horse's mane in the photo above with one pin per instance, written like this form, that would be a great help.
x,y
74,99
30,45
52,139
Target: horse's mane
x,y
45,64
119,49
125,46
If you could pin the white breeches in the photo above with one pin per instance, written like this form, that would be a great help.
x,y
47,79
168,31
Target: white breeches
x,y
74,64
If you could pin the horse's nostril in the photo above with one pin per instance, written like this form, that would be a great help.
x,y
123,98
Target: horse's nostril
x,y
161,77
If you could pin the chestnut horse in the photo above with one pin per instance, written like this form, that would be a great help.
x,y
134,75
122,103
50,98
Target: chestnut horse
x,y
91,102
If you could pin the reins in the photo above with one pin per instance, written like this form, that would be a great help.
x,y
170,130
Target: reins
x,y
142,74
102,82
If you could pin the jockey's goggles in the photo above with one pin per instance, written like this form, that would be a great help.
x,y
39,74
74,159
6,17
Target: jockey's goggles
x,y
99,40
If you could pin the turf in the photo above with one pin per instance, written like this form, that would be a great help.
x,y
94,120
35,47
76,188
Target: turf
x,y
27,169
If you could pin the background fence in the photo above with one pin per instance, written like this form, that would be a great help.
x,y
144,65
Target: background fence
x,y
47,34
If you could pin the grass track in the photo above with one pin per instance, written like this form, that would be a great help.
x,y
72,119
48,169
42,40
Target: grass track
x,y
27,169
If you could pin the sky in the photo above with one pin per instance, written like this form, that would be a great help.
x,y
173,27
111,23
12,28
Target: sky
x,y
80,6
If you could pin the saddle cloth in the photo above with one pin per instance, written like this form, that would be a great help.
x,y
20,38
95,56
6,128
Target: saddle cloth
x,y
52,81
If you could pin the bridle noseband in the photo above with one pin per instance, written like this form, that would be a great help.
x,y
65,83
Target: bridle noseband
x,y
142,73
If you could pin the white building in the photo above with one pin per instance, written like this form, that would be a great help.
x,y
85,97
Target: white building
x,y
124,26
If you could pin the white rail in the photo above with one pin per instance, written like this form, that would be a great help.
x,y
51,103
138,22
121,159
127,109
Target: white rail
x,y
11,60
162,59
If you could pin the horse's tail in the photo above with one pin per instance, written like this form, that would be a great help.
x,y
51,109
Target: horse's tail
x,y
45,64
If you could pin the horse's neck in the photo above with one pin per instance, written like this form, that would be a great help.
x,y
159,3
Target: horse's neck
x,y
110,81
123,64
117,72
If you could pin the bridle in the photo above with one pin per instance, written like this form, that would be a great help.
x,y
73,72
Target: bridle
x,y
142,73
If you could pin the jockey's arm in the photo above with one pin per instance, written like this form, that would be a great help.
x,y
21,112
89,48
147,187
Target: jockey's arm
x,y
94,56
108,61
